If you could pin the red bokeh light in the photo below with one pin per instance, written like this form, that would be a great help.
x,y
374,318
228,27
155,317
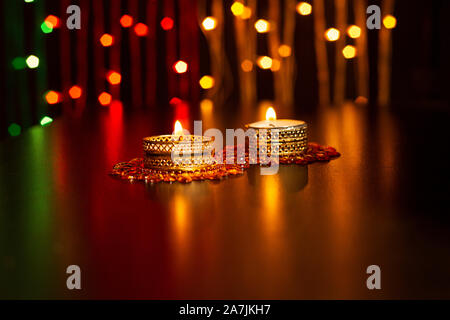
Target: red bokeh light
x,y
53,20
126,21
107,40
104,98
167,23
141,29
75,92
114,77
52,97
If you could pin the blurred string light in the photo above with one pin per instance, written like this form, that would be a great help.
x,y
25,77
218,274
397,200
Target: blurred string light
x,y
237,8
19,63
14,130
180,66
349,52
46,121
32,62
104,98
209,23
126,21
354,32
75,92
206,82
262,26
389,22
304,8
264,62
107,40
247,65
114,77
332,34
284,51
141,29
52,97
167,23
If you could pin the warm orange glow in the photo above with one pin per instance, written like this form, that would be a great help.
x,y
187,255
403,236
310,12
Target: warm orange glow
x,y
354,31
247,65
304,8
206,82
246,13
276,65
284,51
209,23
53,20
75,92
104,98
237,8
265,62
141,29
180,66
107,40
262,26
206,105
389,22
114,77
349,52
332,34
178,131
271,114
126,21
52,97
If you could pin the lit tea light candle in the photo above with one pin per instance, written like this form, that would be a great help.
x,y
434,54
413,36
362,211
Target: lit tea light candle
x,y
178,151
290,137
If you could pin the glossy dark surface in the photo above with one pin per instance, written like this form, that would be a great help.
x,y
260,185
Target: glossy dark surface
x,y
305,233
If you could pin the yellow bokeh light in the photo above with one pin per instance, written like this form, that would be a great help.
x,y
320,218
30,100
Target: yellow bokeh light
x,y
206,82
209,23
349,52
332,34
304,8
237,8
276,65
265,62
271,114
284,51
262,26
354,31
389,22
247,65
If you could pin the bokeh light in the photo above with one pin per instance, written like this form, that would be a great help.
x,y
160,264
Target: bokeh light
x,y
46,121
32,62
167,23
206,82
354,31
262,26
304,8
276,65
104,98
126,21
107,40
19,63
246,13
180,66
265,62
332,34
209,23
247,65
389,22
237,8
52,97
349,52
46,27
284,51
114,77
53,20
141,29
14,130
75,92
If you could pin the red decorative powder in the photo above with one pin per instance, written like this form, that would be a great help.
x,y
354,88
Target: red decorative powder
x,y
134,170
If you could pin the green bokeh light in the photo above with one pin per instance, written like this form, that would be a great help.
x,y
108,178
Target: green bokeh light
x,y
19,63
46,121
46,27
14,129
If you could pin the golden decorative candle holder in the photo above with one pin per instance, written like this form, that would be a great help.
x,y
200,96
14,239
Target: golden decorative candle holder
x,y
192,153
283,137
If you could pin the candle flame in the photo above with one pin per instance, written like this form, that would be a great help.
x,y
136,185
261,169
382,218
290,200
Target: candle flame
x,y
178,128
270,114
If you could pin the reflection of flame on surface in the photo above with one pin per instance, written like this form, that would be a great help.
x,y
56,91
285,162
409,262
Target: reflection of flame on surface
x,y
178,128
270,114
